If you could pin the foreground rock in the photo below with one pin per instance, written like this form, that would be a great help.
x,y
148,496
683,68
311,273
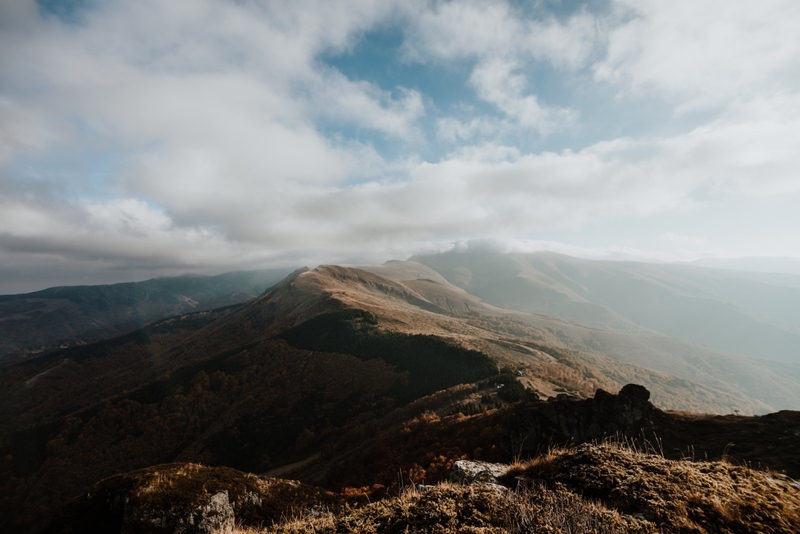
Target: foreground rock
x,y
471,472
769,441
186,499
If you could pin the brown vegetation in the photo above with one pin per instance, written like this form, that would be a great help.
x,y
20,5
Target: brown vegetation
x,y
176,497
598,489
478,509
677,496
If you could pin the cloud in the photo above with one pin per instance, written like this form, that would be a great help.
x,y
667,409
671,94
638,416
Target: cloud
x,y
529,246
704,54
145,72
503,42
490,190
233,143
495,30
500,83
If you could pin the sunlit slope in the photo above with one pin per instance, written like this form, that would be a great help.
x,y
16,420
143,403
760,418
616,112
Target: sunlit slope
x,y
752,314
408,299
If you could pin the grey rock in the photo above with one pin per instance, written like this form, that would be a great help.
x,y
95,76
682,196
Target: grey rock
x,y
215,516
471,472
563,420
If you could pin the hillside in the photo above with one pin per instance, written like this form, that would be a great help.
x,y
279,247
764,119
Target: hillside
x,y
567,491
751,314
321,356
651,315
58,317
626,484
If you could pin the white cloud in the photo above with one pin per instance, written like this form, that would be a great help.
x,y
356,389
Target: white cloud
x,y
528,246
475,29
703,54
337,97
219,111
503,42
500,83
452,130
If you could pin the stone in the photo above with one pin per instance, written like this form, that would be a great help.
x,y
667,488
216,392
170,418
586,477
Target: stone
x,y
471,472
636,392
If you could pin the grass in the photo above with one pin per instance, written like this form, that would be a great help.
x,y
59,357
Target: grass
x,y
607,488
476,509
678,496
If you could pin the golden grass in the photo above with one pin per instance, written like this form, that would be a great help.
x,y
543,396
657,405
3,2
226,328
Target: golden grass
x,y
604,488
677,496
476,509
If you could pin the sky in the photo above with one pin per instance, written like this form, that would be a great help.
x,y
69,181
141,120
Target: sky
x,y
146,138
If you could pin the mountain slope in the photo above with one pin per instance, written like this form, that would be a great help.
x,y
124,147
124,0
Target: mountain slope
x,y
57,317
615,486
751,314
717,314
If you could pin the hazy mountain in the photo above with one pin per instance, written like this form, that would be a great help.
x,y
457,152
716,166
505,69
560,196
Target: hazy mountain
x,y
753,264
32,323
751,314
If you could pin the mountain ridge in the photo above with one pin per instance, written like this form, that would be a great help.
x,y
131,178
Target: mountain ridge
x,y
57,317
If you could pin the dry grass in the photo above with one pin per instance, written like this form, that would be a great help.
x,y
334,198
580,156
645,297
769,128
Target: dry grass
x,y
163,480
476,509
605,488
677,496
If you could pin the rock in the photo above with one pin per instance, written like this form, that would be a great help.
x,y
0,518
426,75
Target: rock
x,y
185,499
215,516
564,420
471,472
635,392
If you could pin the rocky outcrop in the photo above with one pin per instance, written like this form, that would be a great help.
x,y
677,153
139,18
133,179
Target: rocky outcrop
x,y
185,499
536,426
471,472
214,516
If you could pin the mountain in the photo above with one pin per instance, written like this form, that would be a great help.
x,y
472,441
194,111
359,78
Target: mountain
x,y
639,313
753,264
58,317
752,314
325,357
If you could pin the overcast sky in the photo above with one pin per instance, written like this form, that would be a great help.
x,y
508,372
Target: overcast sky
x,y
149,137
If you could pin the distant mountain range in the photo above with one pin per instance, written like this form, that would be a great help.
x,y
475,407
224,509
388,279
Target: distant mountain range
x,y
746,313
754,264
33,323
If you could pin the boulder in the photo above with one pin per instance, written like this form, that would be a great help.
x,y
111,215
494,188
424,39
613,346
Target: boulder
x,y
471,472
185,499
537,426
